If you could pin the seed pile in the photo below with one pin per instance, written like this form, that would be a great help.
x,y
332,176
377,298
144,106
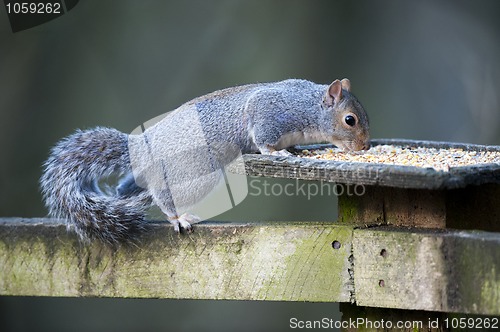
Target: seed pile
x,y
439,159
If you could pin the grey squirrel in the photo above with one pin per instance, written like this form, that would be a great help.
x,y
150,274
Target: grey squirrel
x,y
174,162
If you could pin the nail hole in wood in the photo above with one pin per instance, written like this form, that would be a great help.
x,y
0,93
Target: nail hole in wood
x,y
383,253
336,244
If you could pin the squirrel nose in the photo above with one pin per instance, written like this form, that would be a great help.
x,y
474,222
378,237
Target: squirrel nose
x,y
366,146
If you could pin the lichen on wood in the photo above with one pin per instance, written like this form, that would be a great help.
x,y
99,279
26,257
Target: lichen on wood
x,y
433,270
265,261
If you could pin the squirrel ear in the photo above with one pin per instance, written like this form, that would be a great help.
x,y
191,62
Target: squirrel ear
x,y
346,84
334,93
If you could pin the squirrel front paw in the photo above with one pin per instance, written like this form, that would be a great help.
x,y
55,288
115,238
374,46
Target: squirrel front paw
x,y
184,222
270,150
281,153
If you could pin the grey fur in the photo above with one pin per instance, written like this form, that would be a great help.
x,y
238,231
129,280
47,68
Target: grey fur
x,y
178,161
70,189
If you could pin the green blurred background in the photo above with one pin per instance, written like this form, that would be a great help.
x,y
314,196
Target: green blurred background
x,y
423,70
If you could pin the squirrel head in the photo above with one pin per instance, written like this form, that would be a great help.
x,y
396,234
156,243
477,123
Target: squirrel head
x,y
347,121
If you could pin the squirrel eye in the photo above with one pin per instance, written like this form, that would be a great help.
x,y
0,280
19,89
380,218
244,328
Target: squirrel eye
x,y
350,120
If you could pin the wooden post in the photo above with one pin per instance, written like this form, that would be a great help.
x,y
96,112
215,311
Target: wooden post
x,y
394,206
423,198
472,207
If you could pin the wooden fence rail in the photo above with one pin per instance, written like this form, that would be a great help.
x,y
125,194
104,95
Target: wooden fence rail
x,y
433,270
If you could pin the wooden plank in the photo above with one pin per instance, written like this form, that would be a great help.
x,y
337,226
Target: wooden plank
x,y
404,268
434,270
473,207
395,206
408,177
268,261
363,210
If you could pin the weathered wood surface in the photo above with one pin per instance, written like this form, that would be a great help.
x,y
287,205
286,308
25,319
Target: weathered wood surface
x,y
434,270
378,174
268,261
406,268
395,206
474,207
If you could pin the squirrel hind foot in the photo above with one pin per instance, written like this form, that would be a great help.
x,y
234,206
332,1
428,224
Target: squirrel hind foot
x,y
184,222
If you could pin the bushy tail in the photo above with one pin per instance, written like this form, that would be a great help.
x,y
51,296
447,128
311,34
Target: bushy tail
x,y
69,185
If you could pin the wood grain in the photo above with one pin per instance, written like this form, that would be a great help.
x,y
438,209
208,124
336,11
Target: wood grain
x,y
433,270
401,268
268,261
